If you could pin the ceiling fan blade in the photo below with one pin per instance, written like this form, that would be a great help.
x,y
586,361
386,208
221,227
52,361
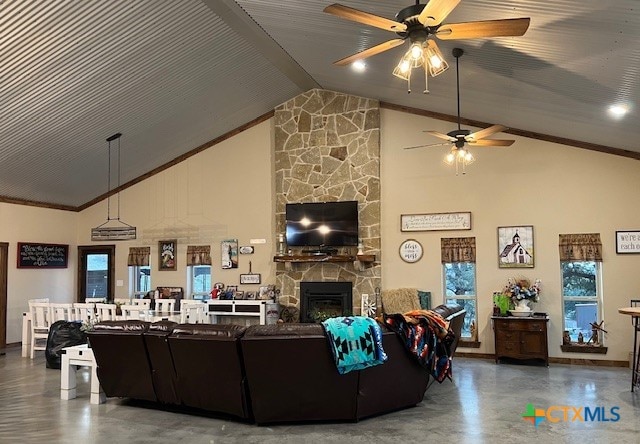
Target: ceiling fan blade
x,y
436,11
355,15
489,142
485,132
426,146
370,52
441,136
487,28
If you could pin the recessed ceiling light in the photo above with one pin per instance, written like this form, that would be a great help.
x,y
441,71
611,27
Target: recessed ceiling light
x,y
359,66
618,110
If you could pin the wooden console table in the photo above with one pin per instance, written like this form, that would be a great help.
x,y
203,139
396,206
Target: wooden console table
x,y
521,338
359,260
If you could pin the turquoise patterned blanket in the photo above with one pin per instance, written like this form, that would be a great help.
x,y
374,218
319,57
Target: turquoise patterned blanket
x,y
355,342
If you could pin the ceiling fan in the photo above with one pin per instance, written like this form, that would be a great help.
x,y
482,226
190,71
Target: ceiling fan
x,y
416,23
461,137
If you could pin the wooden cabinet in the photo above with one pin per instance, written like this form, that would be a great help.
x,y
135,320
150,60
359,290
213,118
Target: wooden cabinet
x,y
521,338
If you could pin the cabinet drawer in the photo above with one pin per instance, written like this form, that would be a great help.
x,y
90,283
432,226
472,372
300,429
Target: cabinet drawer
x,y
535,325
508,348
507,335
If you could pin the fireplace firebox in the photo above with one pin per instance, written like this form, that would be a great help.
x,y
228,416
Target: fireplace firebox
x,y
327,298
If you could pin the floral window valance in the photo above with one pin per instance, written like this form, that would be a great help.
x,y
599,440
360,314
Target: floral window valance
x,y
580,247
139,256
198,255
458,249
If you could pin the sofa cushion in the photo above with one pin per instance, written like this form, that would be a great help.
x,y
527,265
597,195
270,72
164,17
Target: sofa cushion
x,y
121,355
162,370
209,331
292,375
209,369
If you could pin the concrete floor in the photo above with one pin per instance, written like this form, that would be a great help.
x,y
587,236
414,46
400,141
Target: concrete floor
x,y
484,403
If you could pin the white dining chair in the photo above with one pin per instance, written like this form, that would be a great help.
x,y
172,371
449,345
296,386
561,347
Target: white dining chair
x,y
165,305
122,301
61,312
106,312
84,311
135,312
192,312
145,303
40,323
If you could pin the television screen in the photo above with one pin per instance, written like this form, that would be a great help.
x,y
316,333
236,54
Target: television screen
x,y
322,223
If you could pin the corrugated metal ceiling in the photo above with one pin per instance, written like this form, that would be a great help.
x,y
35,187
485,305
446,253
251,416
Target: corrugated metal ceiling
x,y
172,75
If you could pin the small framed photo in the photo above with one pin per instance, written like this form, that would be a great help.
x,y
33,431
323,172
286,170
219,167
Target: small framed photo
x,y
167,252
628,242
239,295
250,295
246,249
250,278
515,247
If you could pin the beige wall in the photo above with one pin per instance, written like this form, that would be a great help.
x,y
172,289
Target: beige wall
x,y
555,188
227,192
224,192
19,223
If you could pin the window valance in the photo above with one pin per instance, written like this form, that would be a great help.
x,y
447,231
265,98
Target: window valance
x,y
139,256
458,249
580,247
198,255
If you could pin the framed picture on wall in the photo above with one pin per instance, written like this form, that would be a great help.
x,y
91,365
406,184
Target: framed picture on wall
x,y
628,242
515,247
167,251
229,253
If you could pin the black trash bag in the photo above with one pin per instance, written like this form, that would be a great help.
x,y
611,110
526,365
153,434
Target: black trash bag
x,y
62,334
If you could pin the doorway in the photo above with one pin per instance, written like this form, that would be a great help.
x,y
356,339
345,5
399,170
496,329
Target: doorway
x,y
4,267
96,272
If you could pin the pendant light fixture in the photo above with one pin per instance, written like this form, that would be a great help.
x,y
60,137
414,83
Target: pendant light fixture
x,y
113,229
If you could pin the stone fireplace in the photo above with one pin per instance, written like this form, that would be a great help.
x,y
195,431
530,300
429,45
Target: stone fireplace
x,y
327,149
325,298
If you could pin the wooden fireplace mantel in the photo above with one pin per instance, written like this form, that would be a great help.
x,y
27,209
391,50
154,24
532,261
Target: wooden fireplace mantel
x,y
358,260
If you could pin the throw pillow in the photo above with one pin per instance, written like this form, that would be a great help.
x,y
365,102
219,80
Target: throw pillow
x,y
425,299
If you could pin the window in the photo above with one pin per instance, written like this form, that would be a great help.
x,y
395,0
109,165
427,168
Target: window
x,y
139,271
200,278
580,266
140,276
581,300
460,288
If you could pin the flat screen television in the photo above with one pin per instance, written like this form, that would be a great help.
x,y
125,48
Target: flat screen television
x,y
319,224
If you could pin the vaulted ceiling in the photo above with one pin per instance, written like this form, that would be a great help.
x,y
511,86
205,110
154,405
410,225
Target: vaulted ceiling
x,y
174,75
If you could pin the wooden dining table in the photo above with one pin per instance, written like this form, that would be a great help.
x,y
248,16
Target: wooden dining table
x,y
634,312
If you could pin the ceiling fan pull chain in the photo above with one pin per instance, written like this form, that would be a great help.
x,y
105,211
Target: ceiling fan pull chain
x,y
426,78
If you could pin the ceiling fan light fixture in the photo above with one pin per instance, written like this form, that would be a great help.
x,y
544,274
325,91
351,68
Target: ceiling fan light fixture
x,y
416,50
450,158
359,66
435,59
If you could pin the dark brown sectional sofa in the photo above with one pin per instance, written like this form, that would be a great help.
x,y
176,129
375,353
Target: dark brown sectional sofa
x,y
263,373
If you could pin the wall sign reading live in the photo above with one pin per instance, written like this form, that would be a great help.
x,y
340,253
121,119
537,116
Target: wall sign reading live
x,y
31,255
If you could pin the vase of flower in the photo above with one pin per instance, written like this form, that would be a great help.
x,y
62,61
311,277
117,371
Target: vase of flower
x,y
522,305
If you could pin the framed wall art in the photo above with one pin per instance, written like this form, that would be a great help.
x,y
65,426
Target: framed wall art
x,y
436,221
515,247
250,278
628,242
411,251
167,251
38,255
229,253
